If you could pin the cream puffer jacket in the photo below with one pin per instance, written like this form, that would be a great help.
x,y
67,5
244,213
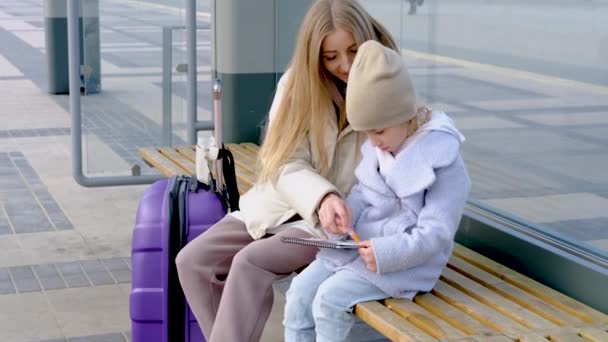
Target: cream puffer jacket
x,y
300,188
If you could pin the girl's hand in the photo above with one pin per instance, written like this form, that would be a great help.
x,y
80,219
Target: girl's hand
x,y
335,215
366,251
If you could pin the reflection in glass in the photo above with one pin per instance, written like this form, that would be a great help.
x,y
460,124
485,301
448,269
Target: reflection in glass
x,y
527,83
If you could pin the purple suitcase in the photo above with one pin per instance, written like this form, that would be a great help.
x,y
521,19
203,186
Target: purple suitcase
x,y
170,215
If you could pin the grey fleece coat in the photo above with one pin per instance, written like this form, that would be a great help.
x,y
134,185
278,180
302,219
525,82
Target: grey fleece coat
x,y
412,217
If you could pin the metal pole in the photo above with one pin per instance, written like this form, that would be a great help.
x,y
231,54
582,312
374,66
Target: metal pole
x,y
217,121
217,111
167,84
213,36
74,86
191,51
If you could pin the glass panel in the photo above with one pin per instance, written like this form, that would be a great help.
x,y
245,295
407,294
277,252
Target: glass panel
x,y
288,17
126,113
527,84
122,85
389,13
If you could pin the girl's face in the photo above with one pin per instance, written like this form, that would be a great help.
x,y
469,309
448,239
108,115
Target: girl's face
x,y
338,51
388,139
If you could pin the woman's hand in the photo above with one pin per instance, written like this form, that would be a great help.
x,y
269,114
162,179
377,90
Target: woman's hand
x,y
335,215
366,251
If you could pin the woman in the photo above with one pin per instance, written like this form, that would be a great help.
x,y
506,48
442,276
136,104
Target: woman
x,y
227,273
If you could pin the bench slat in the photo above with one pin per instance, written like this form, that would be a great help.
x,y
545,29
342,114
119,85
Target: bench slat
x,y
244,179
453,316
533,287
188,152
243,158
423,319
514,294
506,307
152,156
562,331
532,337
251,146
496,338
472,307
594,334
184,163
248,154
565,337
389,323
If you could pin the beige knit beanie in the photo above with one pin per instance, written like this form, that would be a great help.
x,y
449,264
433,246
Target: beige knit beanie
x,y
380,92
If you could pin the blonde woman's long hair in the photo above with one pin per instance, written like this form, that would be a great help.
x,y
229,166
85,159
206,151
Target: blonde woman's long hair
x,y
308,99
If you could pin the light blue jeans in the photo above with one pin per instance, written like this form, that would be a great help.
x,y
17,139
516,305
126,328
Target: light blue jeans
x,y
320,302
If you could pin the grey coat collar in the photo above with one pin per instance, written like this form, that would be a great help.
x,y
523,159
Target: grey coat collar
x,y
435,145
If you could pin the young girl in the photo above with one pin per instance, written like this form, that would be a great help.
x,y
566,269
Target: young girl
x,y
227,273
411,189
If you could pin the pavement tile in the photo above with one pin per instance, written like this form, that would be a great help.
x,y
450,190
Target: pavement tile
x,y
90,310
119,269
18,314
568,119
581,229
117,337
49,277
525,143
24,279
97,272
55,246
584,168
554,208
73,275
594,132
459,89
6,284
484,122
602,244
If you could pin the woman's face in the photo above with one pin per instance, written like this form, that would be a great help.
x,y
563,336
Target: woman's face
x,y
388,139
338,51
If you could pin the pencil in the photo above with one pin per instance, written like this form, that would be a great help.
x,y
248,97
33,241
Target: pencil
x,y
354,235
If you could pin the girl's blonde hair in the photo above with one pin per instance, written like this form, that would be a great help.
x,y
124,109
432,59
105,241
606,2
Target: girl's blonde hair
x,y
423,115
308,98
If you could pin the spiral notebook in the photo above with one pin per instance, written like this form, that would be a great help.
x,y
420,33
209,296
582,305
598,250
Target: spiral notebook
x,y
321,243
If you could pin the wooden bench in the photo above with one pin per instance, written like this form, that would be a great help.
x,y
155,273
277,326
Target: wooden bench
x,y
476,299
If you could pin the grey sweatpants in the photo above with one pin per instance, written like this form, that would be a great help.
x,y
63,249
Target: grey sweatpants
x,y
227,278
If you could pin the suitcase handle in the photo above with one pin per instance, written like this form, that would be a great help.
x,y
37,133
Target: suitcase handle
x,y
217,124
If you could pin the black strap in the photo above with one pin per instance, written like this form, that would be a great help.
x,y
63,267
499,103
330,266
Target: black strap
x,y
228,168
175,296
231,192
